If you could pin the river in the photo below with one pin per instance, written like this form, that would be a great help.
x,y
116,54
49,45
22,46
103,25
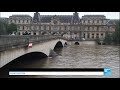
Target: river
x,y
74,56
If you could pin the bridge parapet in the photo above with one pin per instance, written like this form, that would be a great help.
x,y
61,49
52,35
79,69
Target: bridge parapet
x,y
8,41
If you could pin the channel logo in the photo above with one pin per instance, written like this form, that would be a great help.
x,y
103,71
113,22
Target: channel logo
x,y
107,71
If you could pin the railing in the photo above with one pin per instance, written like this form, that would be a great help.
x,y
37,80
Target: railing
x,y
8,41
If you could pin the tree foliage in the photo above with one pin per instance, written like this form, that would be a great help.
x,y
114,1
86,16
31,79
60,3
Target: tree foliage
x,y
11,28
108,38
6,28
3,28
116,34
114,37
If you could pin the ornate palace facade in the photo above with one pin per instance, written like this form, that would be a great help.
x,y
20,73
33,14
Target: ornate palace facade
x,y
88,27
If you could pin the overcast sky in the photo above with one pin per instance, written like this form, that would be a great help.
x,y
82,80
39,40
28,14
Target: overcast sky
x,y
109,15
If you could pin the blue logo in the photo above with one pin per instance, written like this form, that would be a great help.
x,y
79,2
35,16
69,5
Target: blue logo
x,y
107,71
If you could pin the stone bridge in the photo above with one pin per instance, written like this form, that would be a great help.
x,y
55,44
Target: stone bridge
x,y
12,47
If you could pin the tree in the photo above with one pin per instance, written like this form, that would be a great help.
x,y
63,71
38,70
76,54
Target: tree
x,y
11,28
6,28
108,38
3,28
116,34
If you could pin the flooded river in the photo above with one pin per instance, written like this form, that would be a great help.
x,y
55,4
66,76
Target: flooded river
x,y
73,56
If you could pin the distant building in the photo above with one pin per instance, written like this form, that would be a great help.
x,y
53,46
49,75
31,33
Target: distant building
x,y
72,27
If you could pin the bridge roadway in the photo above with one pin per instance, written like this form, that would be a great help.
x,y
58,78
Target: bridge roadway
x,y
12,47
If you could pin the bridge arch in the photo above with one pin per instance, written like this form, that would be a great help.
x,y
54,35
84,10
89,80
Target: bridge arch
x,y
44,47
26,59
76,43
33,55
65,43
59,44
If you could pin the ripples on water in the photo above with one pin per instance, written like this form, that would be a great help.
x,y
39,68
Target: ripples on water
x,y
79,56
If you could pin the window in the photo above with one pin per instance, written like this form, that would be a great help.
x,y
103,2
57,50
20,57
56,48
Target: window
x,y
88,36
83,21
49,27
59,28
91,28
97,35
97,28
34,33
88,28
88,21
23,21
101,34
84,35
19,21
102,21
43,28
27,21
97,21
37,28
23,27
91,21
65,27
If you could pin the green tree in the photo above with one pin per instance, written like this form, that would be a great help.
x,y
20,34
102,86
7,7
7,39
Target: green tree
x,y
3,28
116,34
11,28
108,38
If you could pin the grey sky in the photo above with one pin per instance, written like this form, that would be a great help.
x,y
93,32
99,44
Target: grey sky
x,y
109,15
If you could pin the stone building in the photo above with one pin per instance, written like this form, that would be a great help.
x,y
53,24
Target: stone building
x,y
72,27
